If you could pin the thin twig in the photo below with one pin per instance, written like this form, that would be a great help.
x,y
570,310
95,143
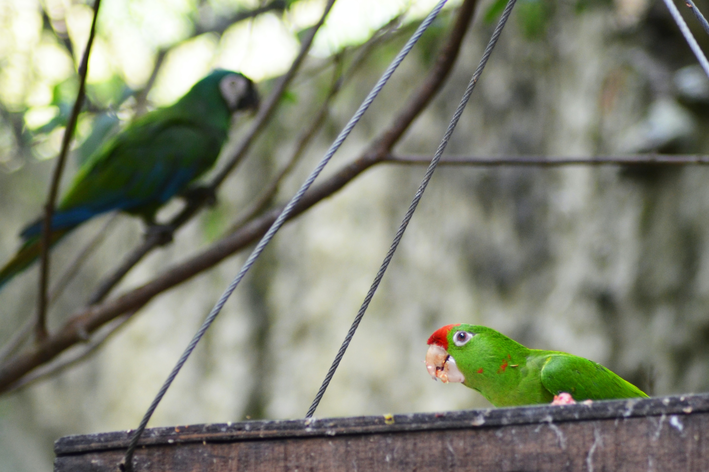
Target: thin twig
x,y
62,37
151,241
545,161
40,326
222,25
339,80
80,259
384,33
141,99
219,28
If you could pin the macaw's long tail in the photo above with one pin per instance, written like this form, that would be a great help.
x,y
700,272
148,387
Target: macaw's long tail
x,y
28,253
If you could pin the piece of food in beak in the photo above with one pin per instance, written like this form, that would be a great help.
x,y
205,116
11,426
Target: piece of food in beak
x,y
442,366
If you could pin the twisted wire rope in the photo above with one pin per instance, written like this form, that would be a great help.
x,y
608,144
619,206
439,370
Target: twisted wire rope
x,y
412,207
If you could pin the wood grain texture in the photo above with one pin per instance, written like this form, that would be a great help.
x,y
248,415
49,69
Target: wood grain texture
x,y
655,434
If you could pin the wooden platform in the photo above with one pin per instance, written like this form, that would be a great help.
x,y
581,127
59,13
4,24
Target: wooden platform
x,y
658,434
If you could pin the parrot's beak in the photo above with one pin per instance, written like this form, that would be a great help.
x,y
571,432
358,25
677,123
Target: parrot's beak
x,y
441,365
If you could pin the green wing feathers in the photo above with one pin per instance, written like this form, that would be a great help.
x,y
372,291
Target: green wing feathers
x,y
584,379
139,171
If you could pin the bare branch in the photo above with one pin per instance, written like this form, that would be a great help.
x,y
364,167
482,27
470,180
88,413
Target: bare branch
x,y
141,99
40,326
223,24
73,357
545,161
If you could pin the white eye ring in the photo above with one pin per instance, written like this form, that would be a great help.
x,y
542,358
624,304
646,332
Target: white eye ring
x,y
461,338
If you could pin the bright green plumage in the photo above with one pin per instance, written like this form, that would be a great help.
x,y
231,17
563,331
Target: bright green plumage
x,y
509,374
149,162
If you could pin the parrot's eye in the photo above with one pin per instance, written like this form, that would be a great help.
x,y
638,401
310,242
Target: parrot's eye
x,y
462,337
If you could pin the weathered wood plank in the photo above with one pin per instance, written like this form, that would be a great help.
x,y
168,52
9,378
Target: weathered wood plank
x,y
638,435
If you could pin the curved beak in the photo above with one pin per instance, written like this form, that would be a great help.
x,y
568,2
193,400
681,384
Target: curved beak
x,y
440,365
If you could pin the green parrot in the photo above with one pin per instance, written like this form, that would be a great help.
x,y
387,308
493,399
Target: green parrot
x,y
508,374
153,159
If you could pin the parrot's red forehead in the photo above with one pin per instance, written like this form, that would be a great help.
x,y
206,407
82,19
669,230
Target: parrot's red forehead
x,y
440,337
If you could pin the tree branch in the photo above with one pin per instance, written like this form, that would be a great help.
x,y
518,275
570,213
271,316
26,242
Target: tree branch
x,y
221,26
72,357
79,326
40,326
545,161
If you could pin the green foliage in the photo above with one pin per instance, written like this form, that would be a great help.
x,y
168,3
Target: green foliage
x,y
532,16
494,11
111,92
289,97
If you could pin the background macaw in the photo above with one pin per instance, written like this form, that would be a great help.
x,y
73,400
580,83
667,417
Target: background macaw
x,y
509,374
145,165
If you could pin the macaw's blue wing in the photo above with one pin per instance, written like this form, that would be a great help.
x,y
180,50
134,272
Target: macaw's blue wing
x,y
137,172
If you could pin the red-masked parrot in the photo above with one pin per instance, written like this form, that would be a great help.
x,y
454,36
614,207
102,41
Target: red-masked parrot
x,y
508,374
153,159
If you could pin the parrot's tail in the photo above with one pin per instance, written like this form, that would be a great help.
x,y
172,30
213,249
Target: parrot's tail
x,y
28,253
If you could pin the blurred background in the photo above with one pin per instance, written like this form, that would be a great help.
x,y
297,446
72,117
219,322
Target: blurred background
x,y
606,262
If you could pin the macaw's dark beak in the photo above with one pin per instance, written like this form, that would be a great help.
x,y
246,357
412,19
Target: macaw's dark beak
x,y
250,101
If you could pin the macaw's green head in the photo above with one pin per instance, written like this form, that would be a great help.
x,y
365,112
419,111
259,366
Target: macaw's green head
x,y
229,88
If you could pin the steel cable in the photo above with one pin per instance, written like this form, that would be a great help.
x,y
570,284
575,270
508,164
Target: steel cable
x,y
688,35
412,208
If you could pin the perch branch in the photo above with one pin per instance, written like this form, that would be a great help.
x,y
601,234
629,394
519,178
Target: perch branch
x,y
73,357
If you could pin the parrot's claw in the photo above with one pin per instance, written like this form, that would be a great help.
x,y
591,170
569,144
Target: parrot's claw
x,y
563,398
